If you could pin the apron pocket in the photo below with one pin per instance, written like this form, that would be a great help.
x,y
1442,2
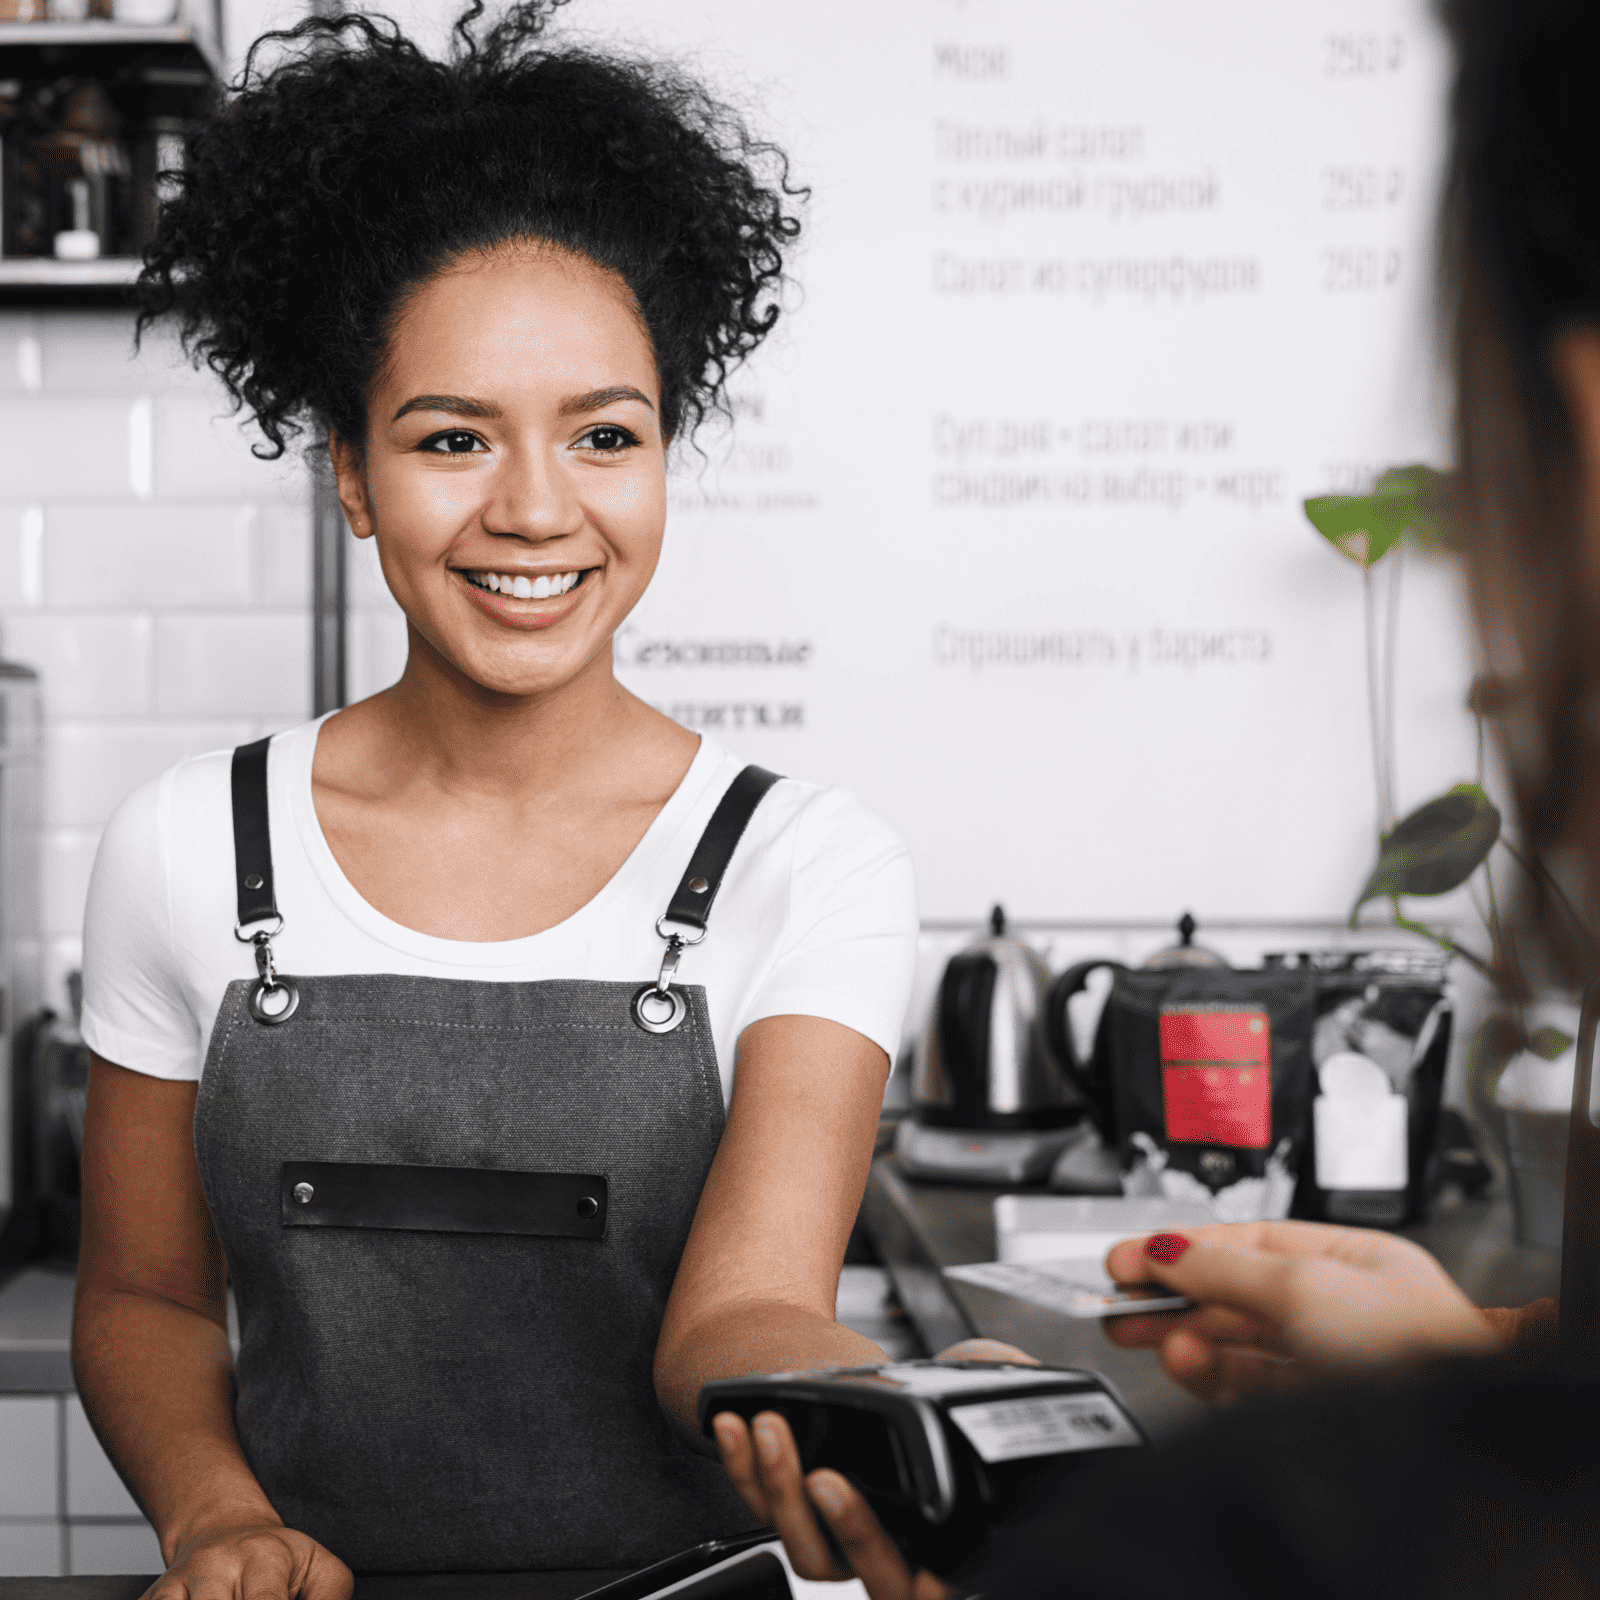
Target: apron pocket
x,y
356,1194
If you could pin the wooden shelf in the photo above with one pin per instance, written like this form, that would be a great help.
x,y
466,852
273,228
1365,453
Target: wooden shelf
x,y
22,271
23,43
66,284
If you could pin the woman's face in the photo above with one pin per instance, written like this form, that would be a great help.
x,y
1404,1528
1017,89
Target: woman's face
x,y
514,472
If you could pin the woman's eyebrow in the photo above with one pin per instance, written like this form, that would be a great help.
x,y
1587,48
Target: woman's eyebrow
x,y
575,404
456,404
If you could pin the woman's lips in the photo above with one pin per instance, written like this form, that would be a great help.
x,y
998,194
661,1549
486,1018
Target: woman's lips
x,y
531,614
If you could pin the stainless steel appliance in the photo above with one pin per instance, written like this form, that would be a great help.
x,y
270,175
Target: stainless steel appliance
x,y
990,1102
21,936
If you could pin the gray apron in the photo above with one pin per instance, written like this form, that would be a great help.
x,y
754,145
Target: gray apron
x,y
452,1213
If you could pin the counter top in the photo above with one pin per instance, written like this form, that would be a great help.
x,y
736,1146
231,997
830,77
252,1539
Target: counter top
x,y
920,1228
425,1586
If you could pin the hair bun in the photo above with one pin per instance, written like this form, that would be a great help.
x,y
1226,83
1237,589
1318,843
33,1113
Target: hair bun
x,y
333,181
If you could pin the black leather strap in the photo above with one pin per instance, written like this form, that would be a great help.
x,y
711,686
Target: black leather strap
x,y
360,1194
691,900
252,839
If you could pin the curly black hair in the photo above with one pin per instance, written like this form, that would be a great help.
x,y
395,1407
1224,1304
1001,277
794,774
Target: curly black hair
x,y
327,188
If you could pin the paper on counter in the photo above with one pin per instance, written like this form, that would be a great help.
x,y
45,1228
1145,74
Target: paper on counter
x,y
1030,1228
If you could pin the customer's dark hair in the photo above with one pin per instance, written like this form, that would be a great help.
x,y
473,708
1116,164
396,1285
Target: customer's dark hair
x,y
330,185
1522,264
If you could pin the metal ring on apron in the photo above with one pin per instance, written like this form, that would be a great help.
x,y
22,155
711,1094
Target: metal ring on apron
x,y
663,1021
262,989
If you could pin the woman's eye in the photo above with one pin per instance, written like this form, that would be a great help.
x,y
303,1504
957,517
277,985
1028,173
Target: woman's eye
x,y
456,442
608,438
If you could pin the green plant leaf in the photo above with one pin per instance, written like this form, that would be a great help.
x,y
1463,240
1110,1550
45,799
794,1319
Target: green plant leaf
x,y
1435,849
1549,1042
1405,501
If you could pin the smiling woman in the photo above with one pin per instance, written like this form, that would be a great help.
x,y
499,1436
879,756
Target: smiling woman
x,y
414,1025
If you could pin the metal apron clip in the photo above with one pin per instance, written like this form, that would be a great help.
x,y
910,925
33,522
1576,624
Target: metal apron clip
x,y
269,983
274,998
659,1007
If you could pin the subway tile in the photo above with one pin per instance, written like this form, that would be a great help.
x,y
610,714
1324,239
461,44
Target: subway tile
x,y
244,665
104,1548
266,727
202,452
28,1457
30,1549
375,652
21,367
65,861
89,666
90,767
62,955
93,1487
59,447
283,554
146,555
95,350
22,528
368,589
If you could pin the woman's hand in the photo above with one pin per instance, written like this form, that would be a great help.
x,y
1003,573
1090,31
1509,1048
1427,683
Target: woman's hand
x,y
765,1468
1275,1300
252,1561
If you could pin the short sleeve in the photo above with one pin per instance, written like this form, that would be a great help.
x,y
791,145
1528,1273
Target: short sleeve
x,y
850,946
135,1010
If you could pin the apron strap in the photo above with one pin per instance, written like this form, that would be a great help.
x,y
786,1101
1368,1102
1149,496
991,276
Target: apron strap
x,y
691,900
252,839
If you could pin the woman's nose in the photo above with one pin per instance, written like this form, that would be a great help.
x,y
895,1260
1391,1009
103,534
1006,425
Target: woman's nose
x,y
533,496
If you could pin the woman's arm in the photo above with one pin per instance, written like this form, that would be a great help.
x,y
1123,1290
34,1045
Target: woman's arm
x,y
150,1350
756,1287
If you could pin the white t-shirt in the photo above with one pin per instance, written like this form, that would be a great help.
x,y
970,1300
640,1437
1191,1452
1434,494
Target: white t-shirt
x,y
816,915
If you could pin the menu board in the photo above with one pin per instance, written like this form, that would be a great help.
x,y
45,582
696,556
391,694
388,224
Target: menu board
x,y
1005,534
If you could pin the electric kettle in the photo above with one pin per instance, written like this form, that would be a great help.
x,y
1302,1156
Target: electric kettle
x,y
985,1062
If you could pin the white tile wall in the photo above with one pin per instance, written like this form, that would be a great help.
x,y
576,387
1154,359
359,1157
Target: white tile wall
x,y
31,1549
93,1487
375,646
153,570
128,1547
63,1510
28,1445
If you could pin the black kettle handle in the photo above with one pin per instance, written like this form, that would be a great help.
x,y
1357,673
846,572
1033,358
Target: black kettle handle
x,y
1091,1077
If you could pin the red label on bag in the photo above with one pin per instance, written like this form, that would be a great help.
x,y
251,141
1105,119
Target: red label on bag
x,y
1216,1077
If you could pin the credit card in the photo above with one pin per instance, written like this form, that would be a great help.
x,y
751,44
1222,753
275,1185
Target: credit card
x,y
1068,1287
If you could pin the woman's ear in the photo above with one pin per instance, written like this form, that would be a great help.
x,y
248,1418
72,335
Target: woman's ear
x,y
1575,357
352,485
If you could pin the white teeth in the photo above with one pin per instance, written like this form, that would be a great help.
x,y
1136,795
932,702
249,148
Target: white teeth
x,y
544,587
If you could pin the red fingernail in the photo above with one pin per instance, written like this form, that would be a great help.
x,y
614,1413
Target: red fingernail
x,y
1166,1247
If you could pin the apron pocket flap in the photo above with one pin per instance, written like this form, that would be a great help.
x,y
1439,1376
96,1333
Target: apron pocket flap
x,y
357,1194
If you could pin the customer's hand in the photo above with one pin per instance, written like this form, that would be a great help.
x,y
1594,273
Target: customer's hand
x,y
252,1561
1277,1300
765,1467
